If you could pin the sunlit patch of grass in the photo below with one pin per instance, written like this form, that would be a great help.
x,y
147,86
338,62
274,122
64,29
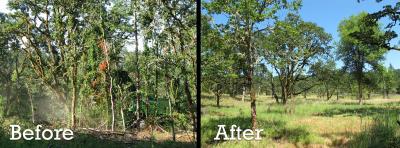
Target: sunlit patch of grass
x,y
315,122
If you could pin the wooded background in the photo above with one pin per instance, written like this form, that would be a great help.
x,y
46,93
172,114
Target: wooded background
x,y
115,65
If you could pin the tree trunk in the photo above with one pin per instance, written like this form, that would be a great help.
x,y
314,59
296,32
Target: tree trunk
x,y
284,95
190,103
252,99
291,105
383,94
285,99
123,119
218,97
253,109
369,95
61,96
74,95
251,60
32,105
156,89
112,105
17,95
244,93
137,112
273,93
138,95
337,94
8,101
171,116
147,97
327,92
168,88
387,94
73,103
327,95
359,92
172,119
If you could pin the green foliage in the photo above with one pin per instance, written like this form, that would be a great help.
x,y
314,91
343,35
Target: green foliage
x,y
292,47
231,50
368,36
218,60
72,63
354,53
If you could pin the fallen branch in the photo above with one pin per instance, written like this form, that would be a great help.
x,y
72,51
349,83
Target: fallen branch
x,y
92,130
161,129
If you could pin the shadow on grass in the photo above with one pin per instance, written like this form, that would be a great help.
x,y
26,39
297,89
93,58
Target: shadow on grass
x,y
86,140
359,111
236,98
295,135
214,105
274,129
391,104
208,97
274,109
384,133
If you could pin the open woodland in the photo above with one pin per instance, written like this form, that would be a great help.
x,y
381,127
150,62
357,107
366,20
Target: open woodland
x,y
267,68
118,72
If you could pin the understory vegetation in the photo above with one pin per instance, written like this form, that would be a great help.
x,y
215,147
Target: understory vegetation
x,y
85,139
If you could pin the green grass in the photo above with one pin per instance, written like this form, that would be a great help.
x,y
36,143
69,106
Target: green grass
x,y
384,132
316,122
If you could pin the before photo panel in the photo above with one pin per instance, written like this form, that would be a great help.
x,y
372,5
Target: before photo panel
x,y
98,73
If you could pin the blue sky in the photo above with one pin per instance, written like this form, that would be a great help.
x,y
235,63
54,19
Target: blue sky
x,y
329,13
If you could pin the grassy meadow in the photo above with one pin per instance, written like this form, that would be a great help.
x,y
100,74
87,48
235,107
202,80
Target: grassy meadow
x,y
315,122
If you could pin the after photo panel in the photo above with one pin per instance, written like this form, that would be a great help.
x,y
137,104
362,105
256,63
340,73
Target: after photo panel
x,y
300,73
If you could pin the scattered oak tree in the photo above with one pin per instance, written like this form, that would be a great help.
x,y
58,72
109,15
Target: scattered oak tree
x,y
291,48
356,55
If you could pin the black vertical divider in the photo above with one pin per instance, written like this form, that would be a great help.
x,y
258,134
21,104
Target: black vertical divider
x,y
198,71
